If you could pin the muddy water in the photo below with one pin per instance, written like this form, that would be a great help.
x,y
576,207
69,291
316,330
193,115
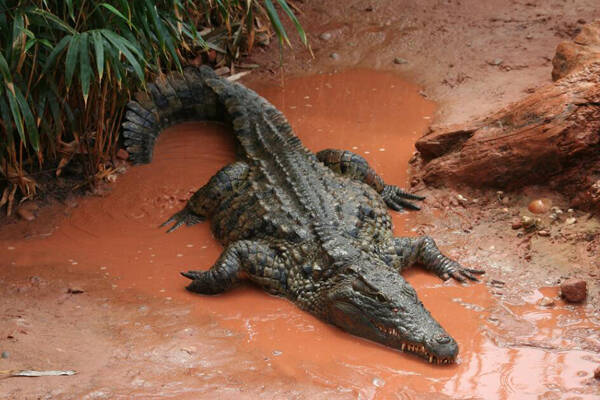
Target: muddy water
x,y
271,348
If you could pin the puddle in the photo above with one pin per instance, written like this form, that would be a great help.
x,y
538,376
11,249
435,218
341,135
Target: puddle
x,y
374,114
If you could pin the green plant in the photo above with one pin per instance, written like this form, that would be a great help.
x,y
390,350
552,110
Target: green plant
x,y
68,67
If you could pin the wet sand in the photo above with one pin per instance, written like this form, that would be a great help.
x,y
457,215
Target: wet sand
x,y
135,331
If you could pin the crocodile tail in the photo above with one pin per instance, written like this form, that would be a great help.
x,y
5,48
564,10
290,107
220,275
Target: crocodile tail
x,y
176,97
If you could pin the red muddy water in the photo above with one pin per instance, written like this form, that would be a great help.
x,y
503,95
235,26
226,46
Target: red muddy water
x,y
135,331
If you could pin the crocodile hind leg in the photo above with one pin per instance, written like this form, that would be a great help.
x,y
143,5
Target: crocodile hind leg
x,y
206,199
242,258
349,164
405,251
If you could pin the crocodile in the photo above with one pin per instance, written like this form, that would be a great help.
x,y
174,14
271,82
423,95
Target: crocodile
x,y
312,228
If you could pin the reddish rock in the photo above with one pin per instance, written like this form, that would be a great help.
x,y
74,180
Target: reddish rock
x,y
572,55
540,206
597,373
122,154
574,290
25,214
516,223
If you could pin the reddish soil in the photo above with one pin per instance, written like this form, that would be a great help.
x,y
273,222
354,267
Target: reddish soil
x,y
134,331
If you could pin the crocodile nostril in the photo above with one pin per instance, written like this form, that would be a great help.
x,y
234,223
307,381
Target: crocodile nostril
x,y
442,339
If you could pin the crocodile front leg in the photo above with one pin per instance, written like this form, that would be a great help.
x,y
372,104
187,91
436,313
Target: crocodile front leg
x,y
242,258
349,164
406,251
206,199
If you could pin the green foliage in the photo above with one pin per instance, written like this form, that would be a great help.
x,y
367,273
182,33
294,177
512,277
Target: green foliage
x,y
68,67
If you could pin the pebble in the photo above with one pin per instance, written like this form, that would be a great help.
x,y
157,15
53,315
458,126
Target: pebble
x,y
574,290
597,373
570,221
540,206
546,302
334,56
544,233
496,61
122,154
5,354
516,223
325,36
75,290
25,214
378,382
400,60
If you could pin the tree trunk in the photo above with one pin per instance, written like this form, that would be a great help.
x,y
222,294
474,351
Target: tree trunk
x,y
551,136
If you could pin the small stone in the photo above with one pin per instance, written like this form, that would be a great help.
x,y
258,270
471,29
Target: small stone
x,y
597,373
462,199
582,22
334,56
540,206
400,60
75,290
574,290
527,221
122,154
378,382
496,61
570,221
516,223
544,233
25,214
325,36
505,200
5,354
277,353
546,302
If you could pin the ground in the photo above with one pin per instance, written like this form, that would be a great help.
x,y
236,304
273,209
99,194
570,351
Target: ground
x,y
135,332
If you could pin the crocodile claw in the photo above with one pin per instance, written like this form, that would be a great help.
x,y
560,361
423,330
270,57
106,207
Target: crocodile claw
x,y
185,216
397,199
460,273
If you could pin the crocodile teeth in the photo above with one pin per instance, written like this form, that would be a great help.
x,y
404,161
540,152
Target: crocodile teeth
x,y
430,359
403,346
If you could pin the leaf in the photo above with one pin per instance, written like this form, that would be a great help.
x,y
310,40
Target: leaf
x,y
71,59
276,22
4,70
16,114
85,71
57,21
286,8
99,48
32,131
123,46
117,13
57,50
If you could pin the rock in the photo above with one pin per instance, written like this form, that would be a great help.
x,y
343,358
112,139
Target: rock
x,y
516,223
573,55
543,233
25,213
496,61
378,382
540,206
574,290
75,290
325,36
5,354
400,60
334,56
570,221
597,373
546,302
527,221
122,154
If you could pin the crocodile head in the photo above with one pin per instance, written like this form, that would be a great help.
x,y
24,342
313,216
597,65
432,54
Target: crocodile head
x,y
378,304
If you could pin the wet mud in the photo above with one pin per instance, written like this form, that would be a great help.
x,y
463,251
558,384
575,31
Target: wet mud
x,y
134,332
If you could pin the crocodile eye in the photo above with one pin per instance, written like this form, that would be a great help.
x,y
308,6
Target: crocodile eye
x,y
361,287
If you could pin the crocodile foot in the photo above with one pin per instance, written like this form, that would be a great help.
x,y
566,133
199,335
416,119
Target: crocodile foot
x,y
185,216
397,199
456,271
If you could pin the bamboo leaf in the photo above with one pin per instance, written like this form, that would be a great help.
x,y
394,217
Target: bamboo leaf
x,y
116,12
85,70
99,48
71,59
6,119
16,114
122,46
276,22
286,8
30,124
57,50
53,18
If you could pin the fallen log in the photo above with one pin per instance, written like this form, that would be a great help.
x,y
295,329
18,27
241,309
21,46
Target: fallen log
x,y
551,136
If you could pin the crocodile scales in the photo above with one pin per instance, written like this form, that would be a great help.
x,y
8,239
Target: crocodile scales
x,y
313,228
